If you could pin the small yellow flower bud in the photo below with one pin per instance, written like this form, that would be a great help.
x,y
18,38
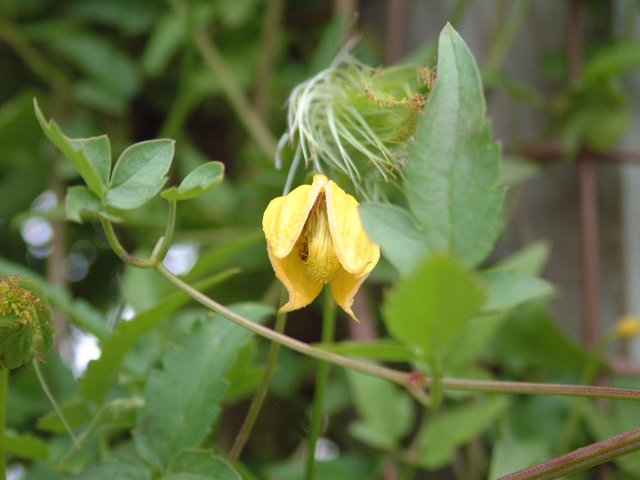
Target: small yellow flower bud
x,y
628,326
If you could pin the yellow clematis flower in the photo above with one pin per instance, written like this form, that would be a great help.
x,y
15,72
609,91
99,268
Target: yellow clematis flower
x,y
314,237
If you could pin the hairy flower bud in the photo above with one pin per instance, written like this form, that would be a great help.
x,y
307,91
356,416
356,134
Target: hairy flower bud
x,y
26,328
354,120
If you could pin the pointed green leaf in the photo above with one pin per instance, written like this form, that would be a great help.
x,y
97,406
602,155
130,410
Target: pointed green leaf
x,y
392,228
183,400
26,446
430,308
528,261
453,171
201,466
455,427
385,411
200,180
91,157
139,173
507,289
112,469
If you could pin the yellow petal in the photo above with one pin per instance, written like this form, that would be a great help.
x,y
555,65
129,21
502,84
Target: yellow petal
x,y
343,288
285,216
292,272
355,251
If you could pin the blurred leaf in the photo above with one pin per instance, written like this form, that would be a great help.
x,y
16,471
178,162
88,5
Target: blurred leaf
x,y
100,373
17,125
200,180
115,469
169,33
103,63
530,260
454,427
611,61
132,16
139,173
75,411
507,289
392,228
382,349
90,156
27,446
517,170
452,177
344,467
191,386
529,332
385,412
473,342
421,311
200,466
511,454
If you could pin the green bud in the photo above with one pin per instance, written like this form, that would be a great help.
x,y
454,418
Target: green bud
x,y
26,328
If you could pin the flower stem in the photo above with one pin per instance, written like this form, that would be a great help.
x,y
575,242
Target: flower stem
x,y
582,458
317,413
261,392
407,380
4,388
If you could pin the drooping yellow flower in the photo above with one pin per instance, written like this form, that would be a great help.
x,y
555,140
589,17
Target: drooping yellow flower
x,y
315,236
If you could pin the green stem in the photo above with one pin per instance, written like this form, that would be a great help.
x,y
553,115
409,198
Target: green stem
x,y
317,413
165,242
582,458
119,250
4,388
52,399
407,380
261,392
436,384
159,251
237,99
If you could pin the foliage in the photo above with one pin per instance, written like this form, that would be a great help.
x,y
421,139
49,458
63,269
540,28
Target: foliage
x,y
171,84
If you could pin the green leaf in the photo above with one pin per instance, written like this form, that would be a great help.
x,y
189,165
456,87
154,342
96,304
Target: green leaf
x,y
511,453
76,412
115,469
392,228
80,202
455,427
385,412
507,289
531,260
529,331
91,157
200,466
100,373
452,176
201,180
139,173
169,33
183,400
26,446
433,306
382,349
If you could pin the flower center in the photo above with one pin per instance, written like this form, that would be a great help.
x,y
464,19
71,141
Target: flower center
x,y
316,248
